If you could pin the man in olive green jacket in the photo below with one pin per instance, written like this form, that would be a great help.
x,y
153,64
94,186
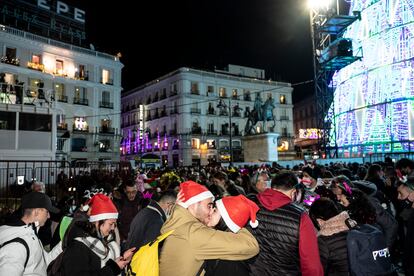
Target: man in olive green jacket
x,y
192,242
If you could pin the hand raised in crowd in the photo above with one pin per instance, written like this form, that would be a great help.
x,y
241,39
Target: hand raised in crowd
x,y
126,258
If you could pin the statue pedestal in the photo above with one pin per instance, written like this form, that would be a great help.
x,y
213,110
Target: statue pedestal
x,y
260,147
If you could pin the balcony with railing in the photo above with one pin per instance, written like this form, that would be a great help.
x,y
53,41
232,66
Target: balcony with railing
x,y
62,98
284,118
107,82
195,92
163,96
163,113
211,132
10,60
211,111
106,104
173,111
80,130
196,130
247,97
173,93
81,101
36,66
107,130
62,126
223,112
195,110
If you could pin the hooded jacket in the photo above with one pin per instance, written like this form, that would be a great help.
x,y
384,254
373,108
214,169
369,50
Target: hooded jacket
x,y
286,236
388,224
13,255
185,250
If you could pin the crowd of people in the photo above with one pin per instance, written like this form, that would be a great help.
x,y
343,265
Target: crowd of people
x,y
255,220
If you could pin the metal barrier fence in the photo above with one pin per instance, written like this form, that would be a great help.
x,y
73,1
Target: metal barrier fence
x,y
16,177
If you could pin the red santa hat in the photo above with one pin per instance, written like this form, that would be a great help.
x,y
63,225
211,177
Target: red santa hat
x,y
236,211
101,207
192,192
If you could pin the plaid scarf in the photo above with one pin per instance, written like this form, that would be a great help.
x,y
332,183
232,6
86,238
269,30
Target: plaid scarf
x,y
111,251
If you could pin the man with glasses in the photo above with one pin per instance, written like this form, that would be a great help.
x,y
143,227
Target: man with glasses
x,y
192,242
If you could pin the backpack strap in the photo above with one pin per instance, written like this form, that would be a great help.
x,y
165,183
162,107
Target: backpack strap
x,y
22,241
202,267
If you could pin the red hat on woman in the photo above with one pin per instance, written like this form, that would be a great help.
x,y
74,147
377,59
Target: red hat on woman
x,y
102,208
236,211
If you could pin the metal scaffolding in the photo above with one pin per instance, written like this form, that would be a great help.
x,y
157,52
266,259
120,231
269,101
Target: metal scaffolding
x,y
331,52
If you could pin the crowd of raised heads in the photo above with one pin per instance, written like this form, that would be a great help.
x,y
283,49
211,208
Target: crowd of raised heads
x,y
300,220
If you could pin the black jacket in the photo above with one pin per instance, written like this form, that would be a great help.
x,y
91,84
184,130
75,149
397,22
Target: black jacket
x,y
334,254
146,225
80,260
278,232
226,268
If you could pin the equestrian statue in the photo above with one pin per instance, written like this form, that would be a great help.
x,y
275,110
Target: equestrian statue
x,y
260,113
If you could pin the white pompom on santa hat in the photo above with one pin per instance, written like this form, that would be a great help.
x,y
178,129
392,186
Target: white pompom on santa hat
x,y
191,192
236,211
101,207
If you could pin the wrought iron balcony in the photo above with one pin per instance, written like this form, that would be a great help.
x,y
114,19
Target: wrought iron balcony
x,y
80,101
106,105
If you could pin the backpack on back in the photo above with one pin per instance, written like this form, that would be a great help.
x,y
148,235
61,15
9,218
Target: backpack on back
x,y
145,260
367,251
22,241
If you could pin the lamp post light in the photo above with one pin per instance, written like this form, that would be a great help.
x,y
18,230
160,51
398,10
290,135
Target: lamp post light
x,y
223,105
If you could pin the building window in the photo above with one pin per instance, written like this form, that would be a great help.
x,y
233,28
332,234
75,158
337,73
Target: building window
x,y
60,92
36,59
81,73
80,124
106,77
222,92
194,88
282,99
234,94
79,144
59,67
246,95
7,120
195,143
210,89
35,122
106,97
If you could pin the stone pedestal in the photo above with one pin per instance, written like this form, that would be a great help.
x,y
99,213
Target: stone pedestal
x,y
260,147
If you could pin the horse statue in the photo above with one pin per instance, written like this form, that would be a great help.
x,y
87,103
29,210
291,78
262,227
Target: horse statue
x,y
260,113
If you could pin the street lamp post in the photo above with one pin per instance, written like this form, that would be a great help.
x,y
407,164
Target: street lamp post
x,y
223,105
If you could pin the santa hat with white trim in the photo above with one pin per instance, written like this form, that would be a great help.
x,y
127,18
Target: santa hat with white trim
x,y
192,192
236,211
101,207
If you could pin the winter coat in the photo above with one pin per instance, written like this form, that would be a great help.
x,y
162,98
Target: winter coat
x,y
87,256
192,242
332,245
13,255
286,236
387,223
226,268
127,211
146,225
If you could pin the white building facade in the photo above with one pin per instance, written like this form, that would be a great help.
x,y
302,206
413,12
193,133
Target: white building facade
x,y
177,117
57,101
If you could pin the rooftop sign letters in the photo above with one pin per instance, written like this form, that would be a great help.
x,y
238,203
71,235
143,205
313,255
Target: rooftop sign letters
x,y
49,18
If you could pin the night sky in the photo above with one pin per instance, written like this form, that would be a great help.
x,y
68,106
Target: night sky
x,y
269,34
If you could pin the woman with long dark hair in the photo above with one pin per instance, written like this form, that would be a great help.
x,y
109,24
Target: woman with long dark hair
x,y
92,249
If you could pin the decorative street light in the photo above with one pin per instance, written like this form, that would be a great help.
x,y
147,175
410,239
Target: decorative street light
x,y
223,105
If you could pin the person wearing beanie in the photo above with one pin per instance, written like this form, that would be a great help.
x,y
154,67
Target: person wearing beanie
x,y
231,214
21,252
286,235
192,241
92,249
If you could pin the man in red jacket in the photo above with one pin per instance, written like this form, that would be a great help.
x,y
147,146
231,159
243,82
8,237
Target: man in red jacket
x,y
287,238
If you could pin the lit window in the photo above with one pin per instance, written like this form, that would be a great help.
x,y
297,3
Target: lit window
x,y
36,59
282,99
59,67
222,92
